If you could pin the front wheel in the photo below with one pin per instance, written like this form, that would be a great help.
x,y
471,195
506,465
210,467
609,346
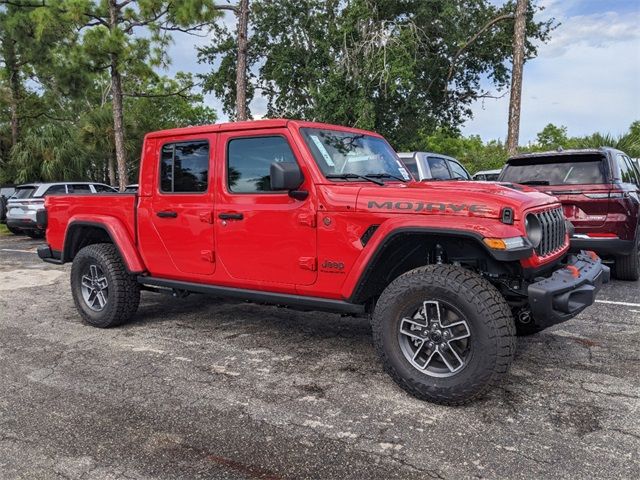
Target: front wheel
x,y
444,334
105,294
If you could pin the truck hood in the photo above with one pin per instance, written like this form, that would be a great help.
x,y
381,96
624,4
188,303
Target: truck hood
x,y
469,199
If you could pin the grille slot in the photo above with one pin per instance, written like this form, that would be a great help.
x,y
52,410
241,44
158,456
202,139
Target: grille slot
x,y
554,231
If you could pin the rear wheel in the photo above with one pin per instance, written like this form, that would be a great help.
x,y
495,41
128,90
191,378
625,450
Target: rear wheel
x,y
444,334
628,267
105,294
15,231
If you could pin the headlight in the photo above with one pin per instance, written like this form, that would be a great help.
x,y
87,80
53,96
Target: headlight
x,y
505,243
534,229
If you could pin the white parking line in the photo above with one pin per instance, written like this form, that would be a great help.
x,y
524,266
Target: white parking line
x,y
624,304
16,250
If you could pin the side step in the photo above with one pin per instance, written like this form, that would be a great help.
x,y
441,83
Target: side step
x,y
257,296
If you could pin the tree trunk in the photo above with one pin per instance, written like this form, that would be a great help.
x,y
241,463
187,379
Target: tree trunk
x,y
15,89
111,170
241,66
118,114
516,77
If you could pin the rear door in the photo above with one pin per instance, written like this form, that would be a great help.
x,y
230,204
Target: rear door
x,y
181,207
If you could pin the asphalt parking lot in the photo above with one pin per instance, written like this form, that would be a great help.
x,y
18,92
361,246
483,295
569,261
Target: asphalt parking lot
x,y
201,388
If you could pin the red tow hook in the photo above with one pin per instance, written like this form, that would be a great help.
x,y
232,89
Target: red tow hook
x,y
593,255
574,271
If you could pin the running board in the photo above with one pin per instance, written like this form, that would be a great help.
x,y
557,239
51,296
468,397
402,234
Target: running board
x,y
257,296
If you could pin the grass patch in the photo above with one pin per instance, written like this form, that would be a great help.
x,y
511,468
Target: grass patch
x,y
4,230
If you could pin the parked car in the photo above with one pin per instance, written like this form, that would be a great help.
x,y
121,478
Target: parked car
x,y
487,175
599,190
5,192
28,200
322,217
433,166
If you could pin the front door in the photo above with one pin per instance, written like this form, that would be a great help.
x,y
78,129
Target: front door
x,y
181,210
262,235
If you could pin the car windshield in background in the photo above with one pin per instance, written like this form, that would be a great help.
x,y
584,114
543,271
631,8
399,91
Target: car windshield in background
x,y
569,171
353,155
24,192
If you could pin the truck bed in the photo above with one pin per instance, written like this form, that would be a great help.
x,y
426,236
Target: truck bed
x,y
65,209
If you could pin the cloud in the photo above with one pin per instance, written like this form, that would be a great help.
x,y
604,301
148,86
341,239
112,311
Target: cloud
x,y
599,30
586,78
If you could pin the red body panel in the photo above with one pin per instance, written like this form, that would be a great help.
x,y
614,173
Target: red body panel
x,y
310,247
115,212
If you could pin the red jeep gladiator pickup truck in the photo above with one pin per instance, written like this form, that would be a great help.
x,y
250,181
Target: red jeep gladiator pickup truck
x,y
320,217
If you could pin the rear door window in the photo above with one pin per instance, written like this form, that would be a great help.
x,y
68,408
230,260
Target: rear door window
x,y
458,170
439,169
578,170
80,188
100,188
627,171
56,190
412,166
184,167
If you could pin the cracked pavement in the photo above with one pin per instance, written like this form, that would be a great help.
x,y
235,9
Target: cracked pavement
x,y
204,388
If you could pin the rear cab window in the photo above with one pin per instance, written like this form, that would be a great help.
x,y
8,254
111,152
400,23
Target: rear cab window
x,y
583,169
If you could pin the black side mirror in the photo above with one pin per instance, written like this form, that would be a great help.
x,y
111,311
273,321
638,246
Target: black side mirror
x,y
285,176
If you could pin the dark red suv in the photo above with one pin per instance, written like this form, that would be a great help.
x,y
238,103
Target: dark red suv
x,y
600,193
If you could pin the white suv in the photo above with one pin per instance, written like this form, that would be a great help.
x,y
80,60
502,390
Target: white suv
x,y
23,206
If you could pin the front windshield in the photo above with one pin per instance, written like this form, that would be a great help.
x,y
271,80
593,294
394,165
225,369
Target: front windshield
x,y
353,154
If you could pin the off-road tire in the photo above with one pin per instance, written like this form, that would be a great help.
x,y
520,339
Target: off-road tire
x,y
123,289
491,324
628,267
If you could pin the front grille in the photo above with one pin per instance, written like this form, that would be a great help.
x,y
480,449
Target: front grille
x,y
554,231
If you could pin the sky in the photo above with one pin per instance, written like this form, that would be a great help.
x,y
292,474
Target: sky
x,y
586,77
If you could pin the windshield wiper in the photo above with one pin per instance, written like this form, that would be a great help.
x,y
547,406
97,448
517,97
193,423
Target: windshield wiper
x,y
534,182
385,175
352,175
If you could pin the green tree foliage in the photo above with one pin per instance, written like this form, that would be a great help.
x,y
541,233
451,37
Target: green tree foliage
x,y
127,38
87,77
552,136
83,148
394,66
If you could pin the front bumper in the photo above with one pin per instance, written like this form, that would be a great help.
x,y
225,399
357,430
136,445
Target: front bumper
x,y
568,290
